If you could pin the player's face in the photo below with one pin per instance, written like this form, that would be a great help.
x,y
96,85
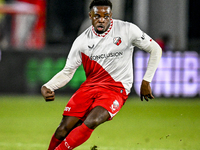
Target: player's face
x,y
100,16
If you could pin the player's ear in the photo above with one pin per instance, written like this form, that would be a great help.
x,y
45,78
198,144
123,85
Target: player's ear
x,y
111,14
90,15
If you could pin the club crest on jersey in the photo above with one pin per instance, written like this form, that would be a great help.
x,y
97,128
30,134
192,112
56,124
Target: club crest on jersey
x,y
117,41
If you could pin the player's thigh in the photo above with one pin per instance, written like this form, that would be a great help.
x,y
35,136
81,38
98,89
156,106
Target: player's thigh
x,y
109,100
79,103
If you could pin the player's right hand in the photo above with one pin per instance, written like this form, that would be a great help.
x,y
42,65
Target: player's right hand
x,y
47,94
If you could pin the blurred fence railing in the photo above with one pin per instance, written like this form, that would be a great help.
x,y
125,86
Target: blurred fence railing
x,y
178,74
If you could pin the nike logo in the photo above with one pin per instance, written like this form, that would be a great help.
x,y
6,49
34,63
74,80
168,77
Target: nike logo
x,y
90,46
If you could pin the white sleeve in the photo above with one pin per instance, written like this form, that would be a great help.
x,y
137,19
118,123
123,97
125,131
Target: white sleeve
x,y
143,41
138,38
74,60
155,54
60,79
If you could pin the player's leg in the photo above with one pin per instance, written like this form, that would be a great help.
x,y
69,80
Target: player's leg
x,y
77,106
80,134
97,116
66,125
104,107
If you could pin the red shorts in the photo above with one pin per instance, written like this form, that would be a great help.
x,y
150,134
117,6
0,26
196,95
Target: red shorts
x,y
86,98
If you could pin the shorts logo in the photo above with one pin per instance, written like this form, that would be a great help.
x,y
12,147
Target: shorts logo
x,y
117,41
67,108
115,105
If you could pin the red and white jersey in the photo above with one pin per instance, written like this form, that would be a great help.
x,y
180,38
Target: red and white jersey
x,y
107,57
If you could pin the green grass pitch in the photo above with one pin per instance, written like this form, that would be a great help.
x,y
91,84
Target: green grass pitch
x,y
28,122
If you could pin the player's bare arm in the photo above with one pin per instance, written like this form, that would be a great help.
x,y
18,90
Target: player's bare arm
x,y
47,94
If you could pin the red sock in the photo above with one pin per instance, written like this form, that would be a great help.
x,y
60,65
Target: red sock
x,y
54,143
75,138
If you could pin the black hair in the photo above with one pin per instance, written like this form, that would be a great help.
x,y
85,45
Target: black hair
x,y
100,3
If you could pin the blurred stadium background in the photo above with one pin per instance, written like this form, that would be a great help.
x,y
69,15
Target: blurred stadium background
x,y
35,39
36,36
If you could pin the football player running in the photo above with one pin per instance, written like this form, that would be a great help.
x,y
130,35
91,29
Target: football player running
x,y
105,50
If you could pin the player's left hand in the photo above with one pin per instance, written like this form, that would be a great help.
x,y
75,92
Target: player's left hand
x,y
145,91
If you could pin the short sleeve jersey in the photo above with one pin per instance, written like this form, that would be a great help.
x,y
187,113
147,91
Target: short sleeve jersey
x,y
107,57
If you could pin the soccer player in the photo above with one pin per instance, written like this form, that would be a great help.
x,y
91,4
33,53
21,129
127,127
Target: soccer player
x,y
105,49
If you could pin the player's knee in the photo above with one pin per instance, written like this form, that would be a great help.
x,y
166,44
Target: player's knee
x,y
94,122
96,117
61,132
